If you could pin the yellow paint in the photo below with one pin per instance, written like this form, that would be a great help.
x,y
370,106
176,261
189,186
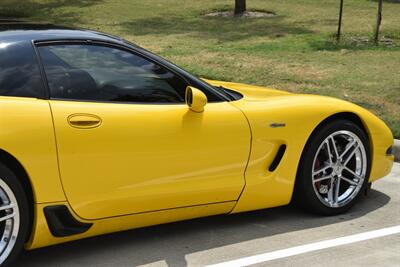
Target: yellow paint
x,y
42,237
150,157
195,99
26,132
124,166
301,114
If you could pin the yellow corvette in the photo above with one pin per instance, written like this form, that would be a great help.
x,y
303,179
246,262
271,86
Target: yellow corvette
x,y
98,135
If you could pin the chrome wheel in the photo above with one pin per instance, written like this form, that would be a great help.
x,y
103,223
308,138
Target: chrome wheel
x,y
339,168
9,220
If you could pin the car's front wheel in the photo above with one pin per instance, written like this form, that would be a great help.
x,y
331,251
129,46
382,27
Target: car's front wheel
x,y
334,168
14,216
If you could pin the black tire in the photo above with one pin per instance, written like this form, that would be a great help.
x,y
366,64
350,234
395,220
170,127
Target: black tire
x,y
305,194
9,178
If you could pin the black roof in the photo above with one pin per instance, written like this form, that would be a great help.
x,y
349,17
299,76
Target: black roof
x,y
16,32
24,31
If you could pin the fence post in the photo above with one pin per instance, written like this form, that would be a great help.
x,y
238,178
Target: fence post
x,y
378,22
339,31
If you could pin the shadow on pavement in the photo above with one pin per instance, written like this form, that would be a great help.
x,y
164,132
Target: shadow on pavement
x,y
171,242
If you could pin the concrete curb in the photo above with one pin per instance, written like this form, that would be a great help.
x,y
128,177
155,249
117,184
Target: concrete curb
x,y
396,150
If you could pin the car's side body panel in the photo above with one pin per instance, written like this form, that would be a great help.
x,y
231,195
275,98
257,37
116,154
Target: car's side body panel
x,y
145,157
310,111
27,134
41,235
300,114
263,188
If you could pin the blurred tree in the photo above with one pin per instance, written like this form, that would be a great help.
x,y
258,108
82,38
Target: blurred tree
x,y
378,22
339,31
240,7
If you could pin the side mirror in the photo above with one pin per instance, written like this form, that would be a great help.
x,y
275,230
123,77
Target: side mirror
x,y
195,99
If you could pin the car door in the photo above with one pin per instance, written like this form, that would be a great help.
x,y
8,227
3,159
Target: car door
x,y
126,141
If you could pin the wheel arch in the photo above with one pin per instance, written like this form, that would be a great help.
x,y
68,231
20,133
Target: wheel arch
x,y
16,167
341,115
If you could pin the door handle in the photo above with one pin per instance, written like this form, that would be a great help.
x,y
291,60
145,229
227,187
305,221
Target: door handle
x,y
84,121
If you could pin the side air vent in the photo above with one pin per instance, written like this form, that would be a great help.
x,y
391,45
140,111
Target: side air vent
x,y
389,151
277,159
61,222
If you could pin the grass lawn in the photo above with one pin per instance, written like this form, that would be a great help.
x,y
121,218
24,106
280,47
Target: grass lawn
x,y
294,50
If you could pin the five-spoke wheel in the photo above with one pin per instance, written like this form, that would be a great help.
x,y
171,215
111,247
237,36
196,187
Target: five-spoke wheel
x,y
334,168
339,168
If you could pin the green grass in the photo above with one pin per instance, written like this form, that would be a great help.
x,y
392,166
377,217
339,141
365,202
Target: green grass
x,y
294,51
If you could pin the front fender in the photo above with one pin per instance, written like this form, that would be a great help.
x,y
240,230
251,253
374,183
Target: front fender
x,y
301,115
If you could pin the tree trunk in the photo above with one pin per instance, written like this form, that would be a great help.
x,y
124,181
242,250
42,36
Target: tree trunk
x,y
378,22
240,7
339,31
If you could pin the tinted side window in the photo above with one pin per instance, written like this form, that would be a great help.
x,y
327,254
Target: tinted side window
x,y
19,71
101,73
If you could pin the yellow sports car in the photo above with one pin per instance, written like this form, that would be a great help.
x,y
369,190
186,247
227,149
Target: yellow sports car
x,y
98,135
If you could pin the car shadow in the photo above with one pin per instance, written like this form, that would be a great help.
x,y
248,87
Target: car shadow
x,y
171,242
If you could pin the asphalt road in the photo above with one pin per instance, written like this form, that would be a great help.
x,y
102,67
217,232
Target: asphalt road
x,y
224,238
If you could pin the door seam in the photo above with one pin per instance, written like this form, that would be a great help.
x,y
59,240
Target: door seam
x,y
57,152
248,159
